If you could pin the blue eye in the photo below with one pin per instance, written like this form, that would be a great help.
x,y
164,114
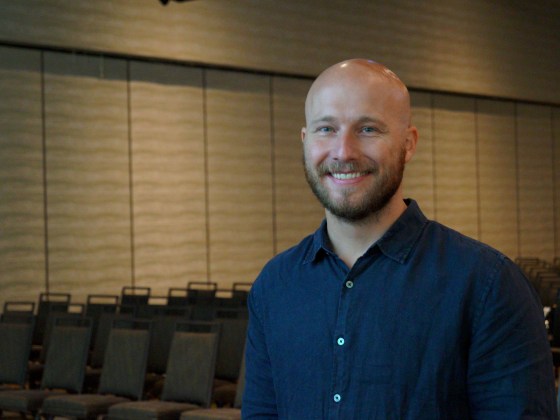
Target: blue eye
x,y
369,130
325,129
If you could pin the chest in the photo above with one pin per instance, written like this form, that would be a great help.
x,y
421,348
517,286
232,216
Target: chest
x,y
376,317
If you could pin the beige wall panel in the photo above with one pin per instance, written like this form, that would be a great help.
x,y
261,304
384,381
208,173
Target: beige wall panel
x,y
419,173
22,223
87,175
229,33
556,133
239,175
455,163
497,175
297,211
168,176
535,160
473,47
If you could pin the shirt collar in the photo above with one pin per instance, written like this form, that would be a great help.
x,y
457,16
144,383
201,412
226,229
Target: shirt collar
x,y
396,243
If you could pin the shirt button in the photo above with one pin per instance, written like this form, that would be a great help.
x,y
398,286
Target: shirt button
x,y
340,341
349,284
336,398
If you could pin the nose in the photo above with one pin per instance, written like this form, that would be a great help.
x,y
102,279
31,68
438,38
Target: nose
x,y
347,146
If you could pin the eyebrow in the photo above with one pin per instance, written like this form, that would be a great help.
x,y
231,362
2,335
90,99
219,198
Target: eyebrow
x,y
360,120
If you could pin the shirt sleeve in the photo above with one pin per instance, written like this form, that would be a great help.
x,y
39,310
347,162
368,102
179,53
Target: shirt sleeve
x,y
510,374
259,398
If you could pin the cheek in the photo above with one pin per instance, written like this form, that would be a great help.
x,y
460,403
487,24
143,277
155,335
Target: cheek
x,y
387,153
313,154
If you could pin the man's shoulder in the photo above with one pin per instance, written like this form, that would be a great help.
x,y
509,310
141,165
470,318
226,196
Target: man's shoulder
x,y
451,242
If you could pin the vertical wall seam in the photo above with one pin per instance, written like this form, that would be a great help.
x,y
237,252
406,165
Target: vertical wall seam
x,y
206,171
130,174
477,169
434,176
45,184
517,181
554,186
273,166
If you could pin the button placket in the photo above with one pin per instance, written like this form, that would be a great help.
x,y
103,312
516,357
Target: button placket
x,y
339,354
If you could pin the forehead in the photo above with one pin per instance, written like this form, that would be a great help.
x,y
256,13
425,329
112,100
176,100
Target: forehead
x,y
354,98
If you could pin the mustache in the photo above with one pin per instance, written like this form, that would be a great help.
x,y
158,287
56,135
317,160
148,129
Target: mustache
x,y
326,168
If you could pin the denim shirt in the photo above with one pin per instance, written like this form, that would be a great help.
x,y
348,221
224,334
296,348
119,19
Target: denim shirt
x,y
428,324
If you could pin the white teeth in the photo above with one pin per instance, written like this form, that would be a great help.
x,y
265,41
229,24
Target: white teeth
x,y
348,176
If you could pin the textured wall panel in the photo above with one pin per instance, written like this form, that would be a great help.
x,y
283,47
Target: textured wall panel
x,y
22,228
419,172
87,174
497,175
297,212
89,183
455,163
239,173
535,157
470,47
168,176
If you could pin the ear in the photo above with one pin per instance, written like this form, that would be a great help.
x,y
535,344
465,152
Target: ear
x,y
303,132
410,142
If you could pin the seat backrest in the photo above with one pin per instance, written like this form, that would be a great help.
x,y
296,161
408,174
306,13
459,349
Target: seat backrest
x,y
12,306
240,384
221,313
15,346
162,331
199,326
240,292
104,326
230,348
98,305
67,356
17,312
124,365
177,296
201,293
48,302
54,317
135,295
191,367
18,318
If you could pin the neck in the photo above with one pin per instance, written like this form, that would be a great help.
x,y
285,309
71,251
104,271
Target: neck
x,y
350,240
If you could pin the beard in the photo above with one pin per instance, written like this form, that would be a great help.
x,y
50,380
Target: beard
x,y
371,202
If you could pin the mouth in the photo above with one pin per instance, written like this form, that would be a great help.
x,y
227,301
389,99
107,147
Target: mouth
x,y
348,175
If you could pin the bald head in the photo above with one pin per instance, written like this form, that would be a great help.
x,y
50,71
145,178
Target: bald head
x,y
361,77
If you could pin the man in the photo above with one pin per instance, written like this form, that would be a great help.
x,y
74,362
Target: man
x,y
382,314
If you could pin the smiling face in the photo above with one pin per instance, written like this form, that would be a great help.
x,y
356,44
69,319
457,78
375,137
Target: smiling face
x,y
357,138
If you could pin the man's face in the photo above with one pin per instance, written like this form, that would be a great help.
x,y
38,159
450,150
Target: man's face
x,y
354,146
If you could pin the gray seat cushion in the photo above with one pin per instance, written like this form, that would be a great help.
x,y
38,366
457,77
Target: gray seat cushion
x,y
25,400
212,414
80,405
153,409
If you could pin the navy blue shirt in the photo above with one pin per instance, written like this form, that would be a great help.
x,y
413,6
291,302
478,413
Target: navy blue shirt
x,y
428,324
